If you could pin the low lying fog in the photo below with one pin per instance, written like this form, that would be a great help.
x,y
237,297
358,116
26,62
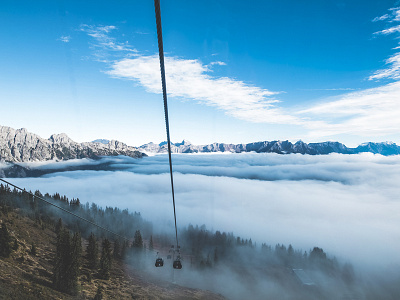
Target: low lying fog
x,y
346,204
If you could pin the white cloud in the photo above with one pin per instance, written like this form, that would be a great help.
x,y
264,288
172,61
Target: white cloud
x,y
393,71
65,38
381,18
346,204
190,79
104,42
389,30
218,63
372,112
395,14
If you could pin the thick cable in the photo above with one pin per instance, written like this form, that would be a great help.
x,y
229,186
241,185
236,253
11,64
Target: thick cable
x,y
65,210
164,89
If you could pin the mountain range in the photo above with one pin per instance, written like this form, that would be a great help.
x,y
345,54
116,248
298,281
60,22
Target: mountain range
x,y
19,145
280,147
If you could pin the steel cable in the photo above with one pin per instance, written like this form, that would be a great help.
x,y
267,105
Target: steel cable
x,y
164,89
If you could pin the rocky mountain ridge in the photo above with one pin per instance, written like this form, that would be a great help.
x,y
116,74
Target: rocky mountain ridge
x,y
280,147
19,145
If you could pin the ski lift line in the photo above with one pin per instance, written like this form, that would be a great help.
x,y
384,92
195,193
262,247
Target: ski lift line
x,y
65,210
164,88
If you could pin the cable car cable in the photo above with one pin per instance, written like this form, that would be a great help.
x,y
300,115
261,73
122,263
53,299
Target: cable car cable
x,y
164,89
65,210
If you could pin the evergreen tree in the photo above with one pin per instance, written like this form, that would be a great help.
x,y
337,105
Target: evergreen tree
x,y
116,249
151,246
67,262
92,252
105,261
62,260
216,256
59,225
5,241
125,246
138,240
75,263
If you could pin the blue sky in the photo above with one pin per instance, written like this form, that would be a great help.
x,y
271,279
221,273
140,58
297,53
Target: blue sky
x,y
237,72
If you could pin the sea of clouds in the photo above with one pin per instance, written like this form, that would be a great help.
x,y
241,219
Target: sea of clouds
x,y
346,204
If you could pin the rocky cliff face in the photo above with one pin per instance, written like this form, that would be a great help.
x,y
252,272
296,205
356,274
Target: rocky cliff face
x,y
281,147
19,145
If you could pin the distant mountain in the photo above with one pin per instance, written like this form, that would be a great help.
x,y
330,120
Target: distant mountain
x,y
387,148
102,141
281,147
19,145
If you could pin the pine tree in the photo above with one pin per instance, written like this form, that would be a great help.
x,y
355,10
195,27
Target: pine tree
x,y
62,260
138,240
59,225
151,246
116,249
5,241
67,262
105,261
125,246
75,263
216,256
92,252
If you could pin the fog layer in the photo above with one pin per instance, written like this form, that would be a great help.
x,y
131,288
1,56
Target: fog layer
x,y
346,204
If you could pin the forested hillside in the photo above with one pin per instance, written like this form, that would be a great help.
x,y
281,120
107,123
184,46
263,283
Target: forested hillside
x,y
47,253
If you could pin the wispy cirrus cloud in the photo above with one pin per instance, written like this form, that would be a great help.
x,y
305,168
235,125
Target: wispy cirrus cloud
x,y
191,79
64,38
370,112
390,30
103,42
381,18
393,71
393,62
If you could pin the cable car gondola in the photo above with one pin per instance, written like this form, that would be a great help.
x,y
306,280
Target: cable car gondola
x,y
177,264
159,262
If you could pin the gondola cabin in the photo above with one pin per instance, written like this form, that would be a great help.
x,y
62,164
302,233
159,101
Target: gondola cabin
x,y
177,264
159,262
